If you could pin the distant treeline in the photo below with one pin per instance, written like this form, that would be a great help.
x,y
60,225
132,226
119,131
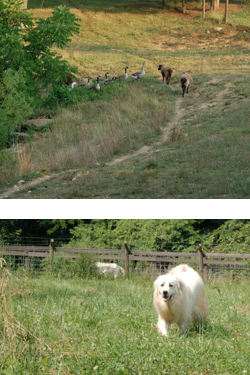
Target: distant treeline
x,y
164,235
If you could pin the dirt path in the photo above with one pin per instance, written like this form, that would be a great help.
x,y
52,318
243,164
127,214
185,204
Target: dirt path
x,y
166,134
37,181
20,187
143,150
175,120
170,126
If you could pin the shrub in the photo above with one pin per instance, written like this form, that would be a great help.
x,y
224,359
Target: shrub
x,y
84,267
16,106
27,64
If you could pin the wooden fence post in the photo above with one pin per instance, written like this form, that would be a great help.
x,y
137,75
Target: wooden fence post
x,y
127,252
51,254
26,260
200,255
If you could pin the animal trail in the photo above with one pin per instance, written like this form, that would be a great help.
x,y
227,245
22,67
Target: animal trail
x,y
174,122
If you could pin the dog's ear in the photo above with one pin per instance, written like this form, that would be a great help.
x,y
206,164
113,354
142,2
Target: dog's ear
x,y
179,283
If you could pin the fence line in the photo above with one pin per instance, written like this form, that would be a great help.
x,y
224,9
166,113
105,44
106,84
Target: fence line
x,y
205,262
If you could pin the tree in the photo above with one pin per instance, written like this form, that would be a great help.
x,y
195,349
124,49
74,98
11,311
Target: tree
x,y
16,229
226,11
166,235
25,54
16,106
215,4
25,4
27,43
183,6
203,8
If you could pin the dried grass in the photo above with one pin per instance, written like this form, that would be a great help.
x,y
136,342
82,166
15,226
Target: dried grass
x,y
6,309
97,131
24,157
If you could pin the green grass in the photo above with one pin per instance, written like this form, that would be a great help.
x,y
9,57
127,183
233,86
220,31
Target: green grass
x,y
106,327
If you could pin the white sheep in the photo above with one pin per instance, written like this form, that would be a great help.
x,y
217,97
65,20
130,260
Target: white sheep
x,y
186,81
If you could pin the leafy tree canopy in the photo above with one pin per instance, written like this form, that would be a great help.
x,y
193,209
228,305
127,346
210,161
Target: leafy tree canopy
x,y
26,43
166,235
140,234
29,71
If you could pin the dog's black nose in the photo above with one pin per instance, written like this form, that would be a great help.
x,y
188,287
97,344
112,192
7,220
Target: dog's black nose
x,y
165,293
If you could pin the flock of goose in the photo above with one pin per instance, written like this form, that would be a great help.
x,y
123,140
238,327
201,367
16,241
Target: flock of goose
x,y
166,72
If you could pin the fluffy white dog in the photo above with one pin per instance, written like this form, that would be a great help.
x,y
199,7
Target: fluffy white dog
x,y
179,298
110,268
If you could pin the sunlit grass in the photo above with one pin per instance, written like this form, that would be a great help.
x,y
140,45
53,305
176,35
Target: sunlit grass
x,y
107,327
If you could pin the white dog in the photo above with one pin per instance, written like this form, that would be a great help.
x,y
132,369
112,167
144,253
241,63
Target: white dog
x,y
110,268
179,298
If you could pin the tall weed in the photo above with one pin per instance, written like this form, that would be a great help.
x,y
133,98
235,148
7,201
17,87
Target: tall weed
x,y
84,267
24,156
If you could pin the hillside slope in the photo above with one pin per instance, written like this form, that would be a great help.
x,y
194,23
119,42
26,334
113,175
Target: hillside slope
x,y
143,140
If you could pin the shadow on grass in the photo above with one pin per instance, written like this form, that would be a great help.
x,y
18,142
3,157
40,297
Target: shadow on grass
x,y
114,6
208,329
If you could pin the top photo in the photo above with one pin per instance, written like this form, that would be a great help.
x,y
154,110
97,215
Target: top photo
x,y
128,99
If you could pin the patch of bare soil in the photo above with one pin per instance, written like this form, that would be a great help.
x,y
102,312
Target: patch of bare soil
x,y
173,124
142,150
230,7
21,185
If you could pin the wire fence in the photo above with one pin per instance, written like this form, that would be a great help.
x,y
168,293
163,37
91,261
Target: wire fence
x,y
43,255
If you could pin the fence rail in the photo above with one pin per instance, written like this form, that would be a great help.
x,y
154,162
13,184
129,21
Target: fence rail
x,y
205,262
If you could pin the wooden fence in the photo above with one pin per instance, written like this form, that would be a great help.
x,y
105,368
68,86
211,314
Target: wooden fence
x,y
130,258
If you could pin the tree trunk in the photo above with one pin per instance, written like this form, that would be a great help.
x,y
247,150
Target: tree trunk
x,y
215,4
183,7
226,11
25,4
203,9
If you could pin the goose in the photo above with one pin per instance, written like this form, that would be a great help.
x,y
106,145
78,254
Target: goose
x,y
106,77
140,74
97,86
73,84
124,76
110,80
86,84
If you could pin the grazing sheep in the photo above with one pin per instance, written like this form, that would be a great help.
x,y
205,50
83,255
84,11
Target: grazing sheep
x,y
111,268
186,81
166,72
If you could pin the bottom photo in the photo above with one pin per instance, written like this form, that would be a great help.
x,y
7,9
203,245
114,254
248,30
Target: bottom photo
x,y
124,296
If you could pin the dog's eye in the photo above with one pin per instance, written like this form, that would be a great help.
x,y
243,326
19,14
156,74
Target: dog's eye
x,y
162,284
170,285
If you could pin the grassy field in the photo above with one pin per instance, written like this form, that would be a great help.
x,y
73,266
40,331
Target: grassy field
x,y
144,140
54,326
